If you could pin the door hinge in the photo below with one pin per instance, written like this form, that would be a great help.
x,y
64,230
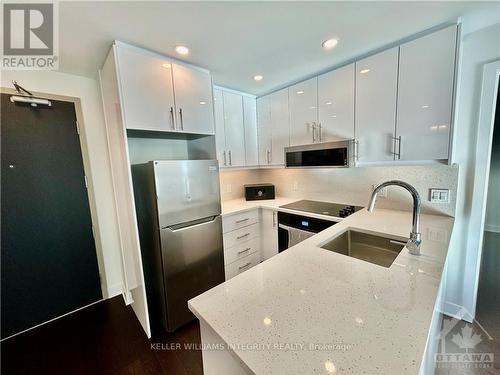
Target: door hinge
x,y
86,182
77,127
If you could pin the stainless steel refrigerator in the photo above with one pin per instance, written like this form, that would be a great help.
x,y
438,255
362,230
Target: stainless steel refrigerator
x,y
180,228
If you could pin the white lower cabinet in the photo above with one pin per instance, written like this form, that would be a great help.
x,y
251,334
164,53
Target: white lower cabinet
x,y
241,242
268,233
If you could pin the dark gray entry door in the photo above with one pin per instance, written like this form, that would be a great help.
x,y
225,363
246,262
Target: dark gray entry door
x,y
48,258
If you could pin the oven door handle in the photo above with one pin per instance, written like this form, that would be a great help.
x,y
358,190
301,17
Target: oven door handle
x,y
286,227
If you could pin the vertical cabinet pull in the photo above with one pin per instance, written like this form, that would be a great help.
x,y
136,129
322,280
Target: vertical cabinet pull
x,y
224,153
230,158
181,118
172,117
320,132
274,219
397,146
268,157
313,126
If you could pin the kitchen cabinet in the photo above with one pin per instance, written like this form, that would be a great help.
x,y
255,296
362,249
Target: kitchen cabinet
x,y
220,134
304,112
264,130
193,99
273,125
269,233
158,94
280,136
425,96
234,129
250,122
376,88
147,90
336,104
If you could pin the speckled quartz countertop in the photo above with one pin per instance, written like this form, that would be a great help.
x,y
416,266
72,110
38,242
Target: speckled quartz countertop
x,y
312,311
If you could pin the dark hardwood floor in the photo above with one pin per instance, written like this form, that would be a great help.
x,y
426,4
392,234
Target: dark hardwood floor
x,y
103,339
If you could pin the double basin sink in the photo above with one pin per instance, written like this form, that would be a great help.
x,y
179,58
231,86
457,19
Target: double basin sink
x,y
368,247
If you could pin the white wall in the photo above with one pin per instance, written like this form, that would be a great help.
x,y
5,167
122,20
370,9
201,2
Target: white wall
x,y
100,175
477,48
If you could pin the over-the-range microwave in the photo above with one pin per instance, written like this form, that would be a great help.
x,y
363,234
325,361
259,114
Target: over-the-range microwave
x,y
338,154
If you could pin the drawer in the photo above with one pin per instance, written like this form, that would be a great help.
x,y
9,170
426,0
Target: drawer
x,y
243,219
242,265
241,235
241,250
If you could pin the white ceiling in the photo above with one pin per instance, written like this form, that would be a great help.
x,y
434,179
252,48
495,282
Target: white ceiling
x,y
236,40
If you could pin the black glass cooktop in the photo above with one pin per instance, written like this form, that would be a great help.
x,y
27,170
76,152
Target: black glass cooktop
x,y
323,208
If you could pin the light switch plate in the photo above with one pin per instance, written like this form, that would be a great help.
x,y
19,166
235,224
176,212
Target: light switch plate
x,y
439,195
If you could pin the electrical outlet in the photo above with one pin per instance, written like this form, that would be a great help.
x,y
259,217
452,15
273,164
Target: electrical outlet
x,y
439,195
295,186
382,193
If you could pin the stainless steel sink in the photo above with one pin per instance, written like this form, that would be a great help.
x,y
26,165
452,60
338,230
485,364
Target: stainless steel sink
x,y
368,247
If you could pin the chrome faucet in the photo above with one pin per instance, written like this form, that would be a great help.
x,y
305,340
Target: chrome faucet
x,y
415,239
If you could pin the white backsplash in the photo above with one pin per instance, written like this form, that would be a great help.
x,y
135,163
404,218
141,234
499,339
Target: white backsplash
x,y
350,185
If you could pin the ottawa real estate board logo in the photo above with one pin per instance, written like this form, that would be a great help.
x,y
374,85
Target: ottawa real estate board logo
x,y
29,36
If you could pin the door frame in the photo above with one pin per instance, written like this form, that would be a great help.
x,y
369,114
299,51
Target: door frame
x,y
90,181
486,123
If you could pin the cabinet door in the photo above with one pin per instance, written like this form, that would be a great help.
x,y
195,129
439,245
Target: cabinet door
x,y
269,234
193,100
376,87
264,129
303,112
235,131
336,104
220,135
425,95
146,90
280,130
250,121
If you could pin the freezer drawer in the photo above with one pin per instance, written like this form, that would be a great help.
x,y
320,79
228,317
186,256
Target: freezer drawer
x,y
186,190
193,262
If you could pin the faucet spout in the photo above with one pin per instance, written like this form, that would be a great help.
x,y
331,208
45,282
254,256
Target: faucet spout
x,y
415,239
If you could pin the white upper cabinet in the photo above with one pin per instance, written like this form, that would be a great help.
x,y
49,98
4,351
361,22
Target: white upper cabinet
x,y
336,104
193,99
279,120
146,90
250,122
264,130
425,96
376,88
234,129
220,135
304,112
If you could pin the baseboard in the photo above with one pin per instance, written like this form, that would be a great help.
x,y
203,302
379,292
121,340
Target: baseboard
x,y
492,228
456,311
114,290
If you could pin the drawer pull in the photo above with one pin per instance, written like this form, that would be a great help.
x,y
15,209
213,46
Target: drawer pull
x,y
243,236
244,266
244,251
242,220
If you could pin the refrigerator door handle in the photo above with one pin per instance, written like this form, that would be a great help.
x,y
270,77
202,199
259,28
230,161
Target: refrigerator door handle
x,y
191,224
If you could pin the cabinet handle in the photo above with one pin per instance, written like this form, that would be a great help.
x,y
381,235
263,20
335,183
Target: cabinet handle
x,y
172,117
244,251
398,141
274,219
244,266
230,158
224,153
268,157
181,118
242,220
313,126
399,148
320,132
243,236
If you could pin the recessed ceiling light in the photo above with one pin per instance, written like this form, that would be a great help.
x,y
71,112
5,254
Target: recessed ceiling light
x,y
300,92
258,77
329,43
166,66
364,71
182,50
